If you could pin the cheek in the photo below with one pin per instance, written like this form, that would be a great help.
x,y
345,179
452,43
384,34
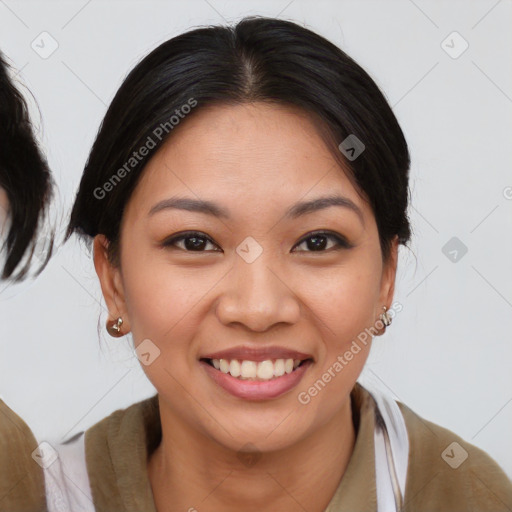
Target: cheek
x,y
344,310
164,300
162,305
345,299
344,304
157,299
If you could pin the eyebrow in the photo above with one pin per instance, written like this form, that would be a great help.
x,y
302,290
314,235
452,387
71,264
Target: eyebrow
x,y
297,210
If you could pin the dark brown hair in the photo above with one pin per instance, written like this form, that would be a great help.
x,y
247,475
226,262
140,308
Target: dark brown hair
x,y
259,59
25,177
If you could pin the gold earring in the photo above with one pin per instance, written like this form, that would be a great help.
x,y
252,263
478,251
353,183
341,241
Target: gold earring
x,y
114,328
385,317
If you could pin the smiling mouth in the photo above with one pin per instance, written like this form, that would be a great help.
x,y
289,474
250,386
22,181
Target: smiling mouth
x,y
267,370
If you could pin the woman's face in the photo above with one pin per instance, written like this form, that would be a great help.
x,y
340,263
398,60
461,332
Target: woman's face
x,y
253,281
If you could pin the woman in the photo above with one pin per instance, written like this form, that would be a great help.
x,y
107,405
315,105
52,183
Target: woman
x,y
246,197
25,193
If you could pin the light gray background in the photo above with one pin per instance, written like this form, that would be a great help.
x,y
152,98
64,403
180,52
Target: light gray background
x,y
448,353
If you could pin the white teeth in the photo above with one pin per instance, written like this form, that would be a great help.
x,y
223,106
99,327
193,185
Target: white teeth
x,y
234,368
249,369
224,365
264,370
279,368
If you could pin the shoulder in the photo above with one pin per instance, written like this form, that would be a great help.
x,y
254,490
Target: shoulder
x,y
142,417
117,450
21,477
446,473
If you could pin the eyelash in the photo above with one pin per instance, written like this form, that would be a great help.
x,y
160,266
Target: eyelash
x,y
341,242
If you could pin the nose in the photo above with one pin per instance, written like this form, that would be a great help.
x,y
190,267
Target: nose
x,y
258,296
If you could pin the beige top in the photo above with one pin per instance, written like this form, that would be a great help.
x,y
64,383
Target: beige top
x,y
21,479
117,449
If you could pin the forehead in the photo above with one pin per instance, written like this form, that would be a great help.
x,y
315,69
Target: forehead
x,y
256,152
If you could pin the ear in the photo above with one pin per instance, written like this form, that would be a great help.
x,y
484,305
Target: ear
x,y
4,211
387,288
387,284
111,283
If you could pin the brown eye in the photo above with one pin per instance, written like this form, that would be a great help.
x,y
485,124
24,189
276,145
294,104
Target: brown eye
x,y
193,241
319,242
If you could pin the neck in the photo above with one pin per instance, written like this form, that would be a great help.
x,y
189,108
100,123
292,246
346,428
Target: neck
x,y
189,471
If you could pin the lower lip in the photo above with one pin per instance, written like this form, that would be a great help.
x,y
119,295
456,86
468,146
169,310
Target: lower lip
x,y
257,389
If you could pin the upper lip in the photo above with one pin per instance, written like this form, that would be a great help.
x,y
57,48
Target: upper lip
x,y
257,354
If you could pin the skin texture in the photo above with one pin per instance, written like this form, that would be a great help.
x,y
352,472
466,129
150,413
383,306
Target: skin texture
x,y
256,160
